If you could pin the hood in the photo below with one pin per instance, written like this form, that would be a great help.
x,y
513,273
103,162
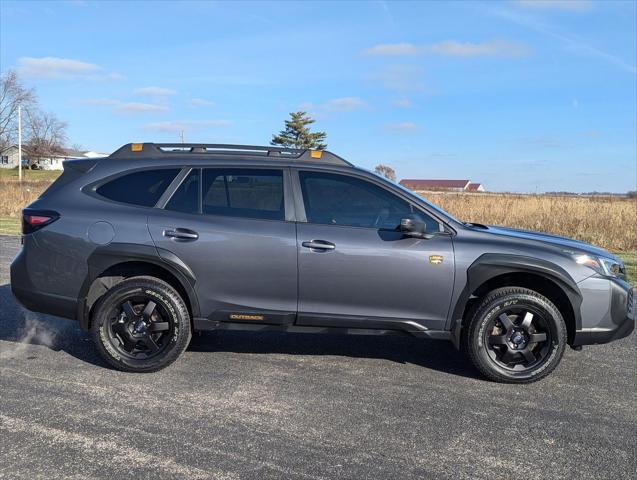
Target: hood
x,y
555,240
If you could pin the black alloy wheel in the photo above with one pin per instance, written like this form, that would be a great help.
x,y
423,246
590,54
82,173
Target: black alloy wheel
x,y
518,338
141,325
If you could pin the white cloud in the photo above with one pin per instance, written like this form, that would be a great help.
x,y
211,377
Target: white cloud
x,y
155,91
101,101
402,78
542,141
393,49
200,102
62,68
571,43
570,5
591,133
451,48
124,108
179,125
139,108
403,102
404,127
344,104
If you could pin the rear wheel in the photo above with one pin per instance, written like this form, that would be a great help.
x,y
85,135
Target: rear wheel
x,y
515,335
141,325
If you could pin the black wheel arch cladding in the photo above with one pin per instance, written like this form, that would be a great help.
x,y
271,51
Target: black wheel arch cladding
x,y
109,256
490,266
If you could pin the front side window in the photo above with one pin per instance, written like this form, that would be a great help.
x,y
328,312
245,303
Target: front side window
x,y
243,193
141,188
333,199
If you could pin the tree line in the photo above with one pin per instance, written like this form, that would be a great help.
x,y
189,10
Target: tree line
x,y
43,134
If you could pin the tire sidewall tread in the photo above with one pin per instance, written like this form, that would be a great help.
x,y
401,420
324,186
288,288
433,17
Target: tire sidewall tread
x,y
473,333
165,294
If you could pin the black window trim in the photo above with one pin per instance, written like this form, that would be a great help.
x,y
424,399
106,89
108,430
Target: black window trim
x,y
91,188
300,205
288,199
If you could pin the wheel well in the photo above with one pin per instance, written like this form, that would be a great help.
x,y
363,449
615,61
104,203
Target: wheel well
x,y
537,283
121,271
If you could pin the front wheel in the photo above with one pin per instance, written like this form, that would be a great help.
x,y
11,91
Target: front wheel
x,y
141,325
515,335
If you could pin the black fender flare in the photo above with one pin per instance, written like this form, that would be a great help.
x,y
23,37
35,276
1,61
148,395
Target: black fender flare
x,y
106,256
491,265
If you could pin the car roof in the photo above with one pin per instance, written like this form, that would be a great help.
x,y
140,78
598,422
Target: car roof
x,y
206,152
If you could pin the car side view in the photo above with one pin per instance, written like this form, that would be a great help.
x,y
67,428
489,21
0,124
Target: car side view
x,y
157,241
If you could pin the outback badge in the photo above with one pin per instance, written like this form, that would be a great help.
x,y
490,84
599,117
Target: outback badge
x,y
435,259
245,316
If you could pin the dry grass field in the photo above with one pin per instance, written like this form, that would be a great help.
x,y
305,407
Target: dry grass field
x,y
610,222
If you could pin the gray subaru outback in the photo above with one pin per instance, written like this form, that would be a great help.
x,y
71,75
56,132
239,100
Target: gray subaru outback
x,y
157,241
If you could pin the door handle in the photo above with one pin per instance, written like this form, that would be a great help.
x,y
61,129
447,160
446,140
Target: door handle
x,y
319,245
181,234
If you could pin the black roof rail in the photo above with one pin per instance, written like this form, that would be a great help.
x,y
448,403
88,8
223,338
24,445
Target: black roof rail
x,y
203,150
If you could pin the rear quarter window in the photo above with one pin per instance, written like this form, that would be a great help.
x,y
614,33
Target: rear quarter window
x,y
143,188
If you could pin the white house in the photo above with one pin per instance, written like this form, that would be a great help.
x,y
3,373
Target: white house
x,y
9,158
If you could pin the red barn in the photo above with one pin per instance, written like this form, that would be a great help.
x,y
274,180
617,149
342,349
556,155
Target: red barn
x,y
449,185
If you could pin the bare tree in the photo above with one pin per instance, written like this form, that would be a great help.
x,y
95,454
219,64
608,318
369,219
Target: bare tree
x,y
12,94
45,134
386,171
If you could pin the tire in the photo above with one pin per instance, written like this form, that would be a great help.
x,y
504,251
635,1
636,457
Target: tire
x,y
515,335
141,325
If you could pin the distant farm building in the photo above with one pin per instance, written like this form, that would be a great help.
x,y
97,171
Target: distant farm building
x,y
446,185
9,158
475,187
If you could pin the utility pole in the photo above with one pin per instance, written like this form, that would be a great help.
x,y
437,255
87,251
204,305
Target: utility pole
x,y
181,136
19,143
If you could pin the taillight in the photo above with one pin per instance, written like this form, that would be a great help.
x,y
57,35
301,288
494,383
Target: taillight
x,y
33,220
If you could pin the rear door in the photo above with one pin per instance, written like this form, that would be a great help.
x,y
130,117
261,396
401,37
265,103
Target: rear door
x,y
356,269
229,226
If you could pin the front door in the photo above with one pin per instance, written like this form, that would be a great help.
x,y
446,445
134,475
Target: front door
x,y
228,225
357,269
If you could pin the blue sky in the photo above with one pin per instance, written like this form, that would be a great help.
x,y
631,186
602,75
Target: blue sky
x,y
520,95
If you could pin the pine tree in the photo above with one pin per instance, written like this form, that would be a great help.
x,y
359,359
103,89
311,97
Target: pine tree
x,y
297,134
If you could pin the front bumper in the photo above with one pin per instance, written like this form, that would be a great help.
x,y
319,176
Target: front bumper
x,y
608,311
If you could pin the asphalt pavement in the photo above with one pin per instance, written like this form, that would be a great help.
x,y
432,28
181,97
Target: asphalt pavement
x,y
273,405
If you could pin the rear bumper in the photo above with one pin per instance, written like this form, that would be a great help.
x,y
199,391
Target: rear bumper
x,y
618,319
35,300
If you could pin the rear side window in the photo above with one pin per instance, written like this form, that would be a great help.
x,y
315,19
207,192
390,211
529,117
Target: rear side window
x,y
140,188
243,193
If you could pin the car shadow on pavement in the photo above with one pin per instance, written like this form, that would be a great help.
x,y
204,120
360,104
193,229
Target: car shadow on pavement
x,y
20,328
430,354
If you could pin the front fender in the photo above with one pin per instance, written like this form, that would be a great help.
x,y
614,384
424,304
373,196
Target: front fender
x,y
491,265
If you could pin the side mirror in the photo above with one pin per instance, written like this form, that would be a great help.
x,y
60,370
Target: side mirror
x,y
413,228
